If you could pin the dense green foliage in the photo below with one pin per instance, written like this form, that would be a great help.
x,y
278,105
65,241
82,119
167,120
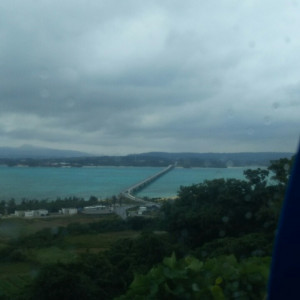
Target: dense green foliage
x,y
100,276
221,208
189,278
221,232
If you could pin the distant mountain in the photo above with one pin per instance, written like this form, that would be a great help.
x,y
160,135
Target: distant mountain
x,y
259,155
35,156
28,151
217,159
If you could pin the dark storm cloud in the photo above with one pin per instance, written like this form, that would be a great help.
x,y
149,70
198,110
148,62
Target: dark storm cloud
x,y
119,77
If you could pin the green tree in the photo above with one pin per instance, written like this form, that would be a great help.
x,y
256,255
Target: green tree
x,y
281,169
257,178
60,281
11,206
211,209
216,279
2,207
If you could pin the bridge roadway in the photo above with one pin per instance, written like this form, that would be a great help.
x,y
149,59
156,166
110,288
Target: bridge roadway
x,y
128,193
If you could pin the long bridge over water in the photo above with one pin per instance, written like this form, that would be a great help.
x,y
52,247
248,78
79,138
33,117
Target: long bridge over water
x,y
129,192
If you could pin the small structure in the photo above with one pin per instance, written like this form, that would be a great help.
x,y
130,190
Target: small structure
x,y
43,212
152,208
19,213
142,210
69,211
35,213
31,214
97,209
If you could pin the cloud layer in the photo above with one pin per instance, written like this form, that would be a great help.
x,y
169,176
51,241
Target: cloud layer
x,y
116,77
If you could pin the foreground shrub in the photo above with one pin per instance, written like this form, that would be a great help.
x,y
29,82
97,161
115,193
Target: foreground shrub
x,y
189,278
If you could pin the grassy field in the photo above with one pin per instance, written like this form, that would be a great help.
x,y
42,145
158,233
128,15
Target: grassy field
x,y
14,275
97,242
67,248
16,227
76,244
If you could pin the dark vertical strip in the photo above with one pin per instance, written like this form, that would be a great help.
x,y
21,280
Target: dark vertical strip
x,y
284,282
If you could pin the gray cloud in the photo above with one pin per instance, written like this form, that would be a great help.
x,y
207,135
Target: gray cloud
x,y
120,77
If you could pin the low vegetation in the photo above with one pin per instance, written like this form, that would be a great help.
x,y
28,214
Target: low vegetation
x,y
10,206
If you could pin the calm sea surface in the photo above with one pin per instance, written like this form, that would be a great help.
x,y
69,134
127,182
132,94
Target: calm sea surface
x,y
102,182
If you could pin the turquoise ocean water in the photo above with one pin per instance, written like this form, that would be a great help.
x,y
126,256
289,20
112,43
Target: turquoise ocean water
x,y
102,182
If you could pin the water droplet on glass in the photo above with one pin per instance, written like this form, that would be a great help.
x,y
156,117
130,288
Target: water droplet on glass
x,y
54,230
235,285
275,105
222,233
229,164
267,120
33,273
219,174
252,44
225,219
236,294
250,131
287,167
43,75
195,287
230,113
248,215
248,198
226,265
69,74
266,225
70,104
204,253
207,163
45,93
258,252
277,196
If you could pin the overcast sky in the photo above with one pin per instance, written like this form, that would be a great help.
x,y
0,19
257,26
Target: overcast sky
x,y
118,77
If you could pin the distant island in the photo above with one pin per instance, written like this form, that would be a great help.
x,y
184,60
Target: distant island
x,y
29,151
43,157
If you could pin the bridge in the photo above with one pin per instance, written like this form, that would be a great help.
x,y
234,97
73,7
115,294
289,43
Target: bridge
x,y
129,192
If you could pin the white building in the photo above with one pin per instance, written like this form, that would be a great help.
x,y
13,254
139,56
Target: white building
x,y
19,213
43,212
141,210
69,211
35,213
97,209
31,214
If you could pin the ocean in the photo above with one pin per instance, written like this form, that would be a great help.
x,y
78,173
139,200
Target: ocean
x,y
102,182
